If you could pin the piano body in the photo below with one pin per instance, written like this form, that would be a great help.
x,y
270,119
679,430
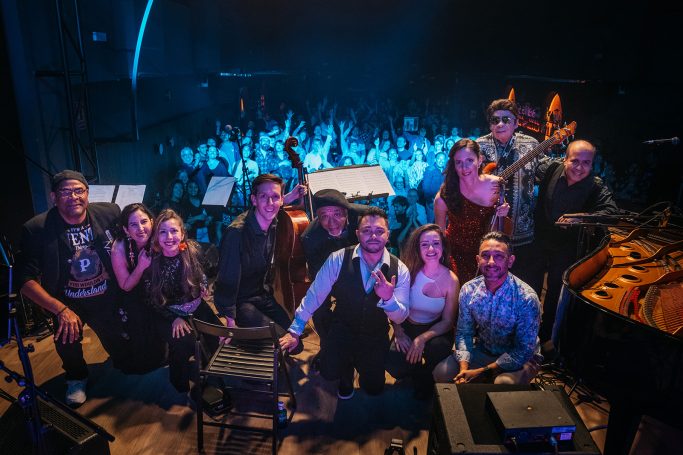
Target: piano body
x,y
621,329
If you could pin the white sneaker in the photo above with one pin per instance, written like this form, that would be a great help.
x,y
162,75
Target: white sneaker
x,y
75,392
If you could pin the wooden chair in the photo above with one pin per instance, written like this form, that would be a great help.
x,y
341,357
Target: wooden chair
x,y
253,357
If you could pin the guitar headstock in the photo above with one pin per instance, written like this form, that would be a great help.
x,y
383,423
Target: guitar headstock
x,y
564,132
290,143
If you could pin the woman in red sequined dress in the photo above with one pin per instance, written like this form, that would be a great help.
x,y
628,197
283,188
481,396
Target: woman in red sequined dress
x,y
465,206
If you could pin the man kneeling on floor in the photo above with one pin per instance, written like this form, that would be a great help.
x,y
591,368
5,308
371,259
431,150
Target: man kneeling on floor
x,y
359,331
497,332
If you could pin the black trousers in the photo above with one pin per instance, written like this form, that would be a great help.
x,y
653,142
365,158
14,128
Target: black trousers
x,y
322,318
435,350
259,311
181,350
343,350
524,267
554,261
103,319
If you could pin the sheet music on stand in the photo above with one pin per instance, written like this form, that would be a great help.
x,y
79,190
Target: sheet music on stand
x,y
121,195
101,193
218,191
355,182
130,194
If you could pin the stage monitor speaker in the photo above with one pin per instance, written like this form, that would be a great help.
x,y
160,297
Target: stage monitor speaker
x,y
63,434
462,424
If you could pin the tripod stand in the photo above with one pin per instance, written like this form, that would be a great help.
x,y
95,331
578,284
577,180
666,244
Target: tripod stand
x,y
42,412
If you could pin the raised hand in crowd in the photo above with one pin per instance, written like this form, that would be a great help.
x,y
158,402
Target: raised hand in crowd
x,y
288,122
298,128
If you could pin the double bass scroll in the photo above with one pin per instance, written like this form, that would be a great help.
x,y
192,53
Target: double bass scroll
x,y
290,276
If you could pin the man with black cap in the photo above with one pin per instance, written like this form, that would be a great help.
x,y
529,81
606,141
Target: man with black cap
x,y
66,269
333,228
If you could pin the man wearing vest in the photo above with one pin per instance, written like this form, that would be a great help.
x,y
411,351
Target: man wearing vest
x,y
565,187
333,228
369,285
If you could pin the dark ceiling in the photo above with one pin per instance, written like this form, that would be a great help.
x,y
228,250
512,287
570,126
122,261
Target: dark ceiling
x,y
577,40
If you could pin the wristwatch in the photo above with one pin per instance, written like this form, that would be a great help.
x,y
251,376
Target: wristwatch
x,y
486,368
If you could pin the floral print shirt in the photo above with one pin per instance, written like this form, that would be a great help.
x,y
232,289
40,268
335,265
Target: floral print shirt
x,y
504,324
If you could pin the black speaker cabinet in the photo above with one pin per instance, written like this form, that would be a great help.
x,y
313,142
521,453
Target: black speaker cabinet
x,y
462,423
63,434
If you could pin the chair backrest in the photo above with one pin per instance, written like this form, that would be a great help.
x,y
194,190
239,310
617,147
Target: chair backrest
x,y
236,333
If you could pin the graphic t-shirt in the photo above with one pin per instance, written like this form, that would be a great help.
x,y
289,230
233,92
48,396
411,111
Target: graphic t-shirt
x,y
86,276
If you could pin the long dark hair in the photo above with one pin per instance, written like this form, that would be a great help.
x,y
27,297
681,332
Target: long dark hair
x,y
130,246
127,212
450,188
192,273
410,253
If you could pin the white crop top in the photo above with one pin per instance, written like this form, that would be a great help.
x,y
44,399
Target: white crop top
x,y
424,309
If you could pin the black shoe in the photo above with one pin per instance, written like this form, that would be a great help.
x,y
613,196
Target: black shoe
x,y
548,352
215,401
346,391
315,364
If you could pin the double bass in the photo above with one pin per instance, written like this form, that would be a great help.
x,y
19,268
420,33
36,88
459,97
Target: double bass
x,y
290,277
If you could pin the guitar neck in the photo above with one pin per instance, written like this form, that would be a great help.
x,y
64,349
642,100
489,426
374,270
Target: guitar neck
x,y
523,161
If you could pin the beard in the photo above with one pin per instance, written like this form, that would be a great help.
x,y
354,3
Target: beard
x,y
374,247
493,273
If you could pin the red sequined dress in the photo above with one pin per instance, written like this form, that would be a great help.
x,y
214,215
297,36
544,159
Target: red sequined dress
x,y
464,231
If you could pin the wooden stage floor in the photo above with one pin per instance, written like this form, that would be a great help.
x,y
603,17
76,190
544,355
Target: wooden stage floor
x,y
147,416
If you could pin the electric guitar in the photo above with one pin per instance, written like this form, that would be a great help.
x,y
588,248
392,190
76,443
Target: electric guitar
x,y
504,223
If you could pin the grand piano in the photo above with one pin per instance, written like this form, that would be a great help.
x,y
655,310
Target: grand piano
x,y
620,327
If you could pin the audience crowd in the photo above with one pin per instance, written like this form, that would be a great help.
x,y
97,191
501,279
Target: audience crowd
x,y
331,136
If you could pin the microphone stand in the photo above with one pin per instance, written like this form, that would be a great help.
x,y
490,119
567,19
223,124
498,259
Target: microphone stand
x,y
28,398
236,136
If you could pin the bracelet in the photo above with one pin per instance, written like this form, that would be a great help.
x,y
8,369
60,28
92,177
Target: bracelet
x,y
486,368
61,311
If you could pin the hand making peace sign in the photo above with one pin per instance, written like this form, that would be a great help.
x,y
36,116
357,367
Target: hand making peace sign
x,y
383,288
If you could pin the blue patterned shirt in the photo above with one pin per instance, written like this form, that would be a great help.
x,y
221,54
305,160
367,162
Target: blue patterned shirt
x,y
519,189
505,324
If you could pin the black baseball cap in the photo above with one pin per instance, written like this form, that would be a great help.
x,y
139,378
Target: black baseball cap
x,y
67,174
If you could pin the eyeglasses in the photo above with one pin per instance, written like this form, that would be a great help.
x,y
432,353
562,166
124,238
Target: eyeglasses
x,y
67,192
264,197
495,120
